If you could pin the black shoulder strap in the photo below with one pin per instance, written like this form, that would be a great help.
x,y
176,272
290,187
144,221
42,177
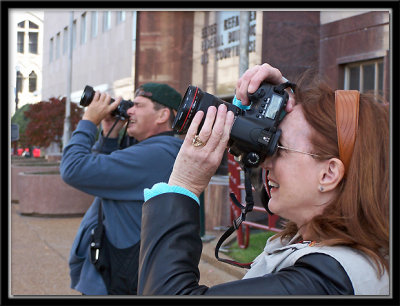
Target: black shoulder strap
x,y
97,236
237,222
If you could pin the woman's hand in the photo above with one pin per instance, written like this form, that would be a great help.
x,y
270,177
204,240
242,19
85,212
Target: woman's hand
x,y
195,165
252,78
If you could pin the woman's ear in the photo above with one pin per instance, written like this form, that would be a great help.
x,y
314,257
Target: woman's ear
x,y
331,174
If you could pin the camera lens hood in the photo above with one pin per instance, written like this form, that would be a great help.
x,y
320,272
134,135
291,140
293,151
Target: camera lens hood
x,y
87,96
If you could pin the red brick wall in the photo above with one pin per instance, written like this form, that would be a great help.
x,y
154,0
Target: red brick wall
x,y
291,41
357,38
165,47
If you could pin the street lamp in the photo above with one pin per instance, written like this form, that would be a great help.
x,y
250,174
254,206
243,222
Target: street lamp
x,y
17,69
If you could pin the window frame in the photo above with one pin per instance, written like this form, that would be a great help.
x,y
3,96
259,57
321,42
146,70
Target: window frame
x,y
21,44
106,21
94,24
19,86
65,40
58,45
121,17
361,65
51,49
83,39
32,78
33,44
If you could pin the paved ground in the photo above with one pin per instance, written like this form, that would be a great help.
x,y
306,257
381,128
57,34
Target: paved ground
x,y
40,249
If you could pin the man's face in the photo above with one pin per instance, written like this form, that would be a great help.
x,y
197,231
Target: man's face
x,y
142,118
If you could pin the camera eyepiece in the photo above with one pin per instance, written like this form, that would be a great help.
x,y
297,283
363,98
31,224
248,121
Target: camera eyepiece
x,y
121,111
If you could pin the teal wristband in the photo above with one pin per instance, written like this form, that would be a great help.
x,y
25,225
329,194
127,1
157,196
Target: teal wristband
x,y
161,188
239,104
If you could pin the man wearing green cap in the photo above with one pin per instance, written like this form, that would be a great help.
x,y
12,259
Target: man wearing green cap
x,y
104,255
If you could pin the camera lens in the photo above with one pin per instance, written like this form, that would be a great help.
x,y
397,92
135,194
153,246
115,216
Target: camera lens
x,y
87,96
121,110
193,101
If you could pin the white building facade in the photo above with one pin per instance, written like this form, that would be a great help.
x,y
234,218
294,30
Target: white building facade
x,y
103,52
25,61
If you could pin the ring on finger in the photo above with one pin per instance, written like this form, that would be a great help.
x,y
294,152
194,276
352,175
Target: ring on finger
x,y
197,142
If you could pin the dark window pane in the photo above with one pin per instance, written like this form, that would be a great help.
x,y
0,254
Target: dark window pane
x,y
32,81
380,78
354,83
21,24
33,25
33,42
20,42
368,77
19,81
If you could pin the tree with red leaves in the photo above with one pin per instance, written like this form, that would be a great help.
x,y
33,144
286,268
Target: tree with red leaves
x,y
46,121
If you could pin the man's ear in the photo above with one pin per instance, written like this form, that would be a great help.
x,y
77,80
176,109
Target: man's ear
x,y
331,174
163,115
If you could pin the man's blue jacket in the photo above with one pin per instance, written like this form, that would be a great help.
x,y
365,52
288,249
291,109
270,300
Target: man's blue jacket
x,y
118,177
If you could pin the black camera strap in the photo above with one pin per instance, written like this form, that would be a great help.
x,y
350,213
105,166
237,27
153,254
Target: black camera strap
x,y
238,221
281,87
109,132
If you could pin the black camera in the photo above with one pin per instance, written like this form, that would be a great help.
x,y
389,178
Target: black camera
x,y
255,133
120,111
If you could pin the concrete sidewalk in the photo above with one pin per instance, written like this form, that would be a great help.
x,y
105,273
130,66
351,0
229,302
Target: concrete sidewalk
x,y
40,249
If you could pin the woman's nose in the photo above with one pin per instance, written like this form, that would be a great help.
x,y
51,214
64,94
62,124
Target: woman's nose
x,y
268,162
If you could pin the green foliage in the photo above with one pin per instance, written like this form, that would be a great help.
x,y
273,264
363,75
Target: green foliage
x,y
256,246
20,119
45,122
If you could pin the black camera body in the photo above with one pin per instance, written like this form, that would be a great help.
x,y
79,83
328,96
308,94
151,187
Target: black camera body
x,y
120,111
255,134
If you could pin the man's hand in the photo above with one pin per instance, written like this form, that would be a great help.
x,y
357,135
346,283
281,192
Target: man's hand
x,y
108,122
100,107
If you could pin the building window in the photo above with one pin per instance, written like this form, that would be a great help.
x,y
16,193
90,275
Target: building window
x,y
20,42
32,32
65,40
121,15
365,76
94,24
74,34
32,81
51,49
33,25
19,81
106,21
83,29
58,42
33,42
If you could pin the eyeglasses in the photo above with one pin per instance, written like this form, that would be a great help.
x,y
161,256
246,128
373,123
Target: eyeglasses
x,y
293,150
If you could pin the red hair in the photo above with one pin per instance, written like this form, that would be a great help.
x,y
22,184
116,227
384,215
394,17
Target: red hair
x,y
359,216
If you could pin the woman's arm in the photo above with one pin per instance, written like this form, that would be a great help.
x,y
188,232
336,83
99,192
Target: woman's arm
x,y
170,252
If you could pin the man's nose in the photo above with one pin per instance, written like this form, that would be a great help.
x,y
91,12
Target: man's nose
x,y
131,110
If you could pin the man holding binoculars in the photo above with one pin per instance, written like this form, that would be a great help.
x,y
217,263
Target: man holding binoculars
x,y
108,238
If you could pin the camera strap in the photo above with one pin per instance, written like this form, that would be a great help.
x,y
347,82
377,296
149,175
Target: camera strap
x,y
238,221
281,87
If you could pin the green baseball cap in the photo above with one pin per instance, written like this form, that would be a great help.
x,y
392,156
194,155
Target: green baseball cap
x,y
161,93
